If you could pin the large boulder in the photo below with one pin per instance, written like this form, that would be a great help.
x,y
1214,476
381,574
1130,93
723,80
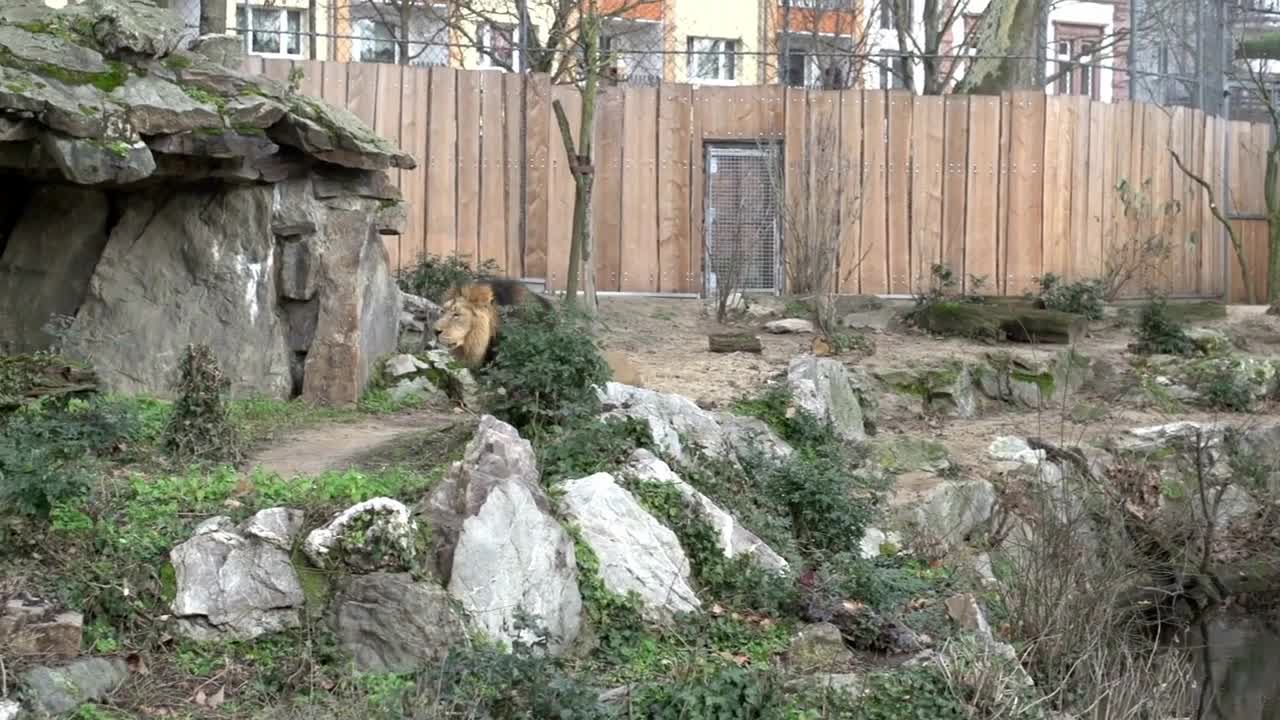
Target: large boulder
x,y
32,627
237,582
733,538
224,209
821,386
680,428
636,552
390,623
945,388
499,548
54,691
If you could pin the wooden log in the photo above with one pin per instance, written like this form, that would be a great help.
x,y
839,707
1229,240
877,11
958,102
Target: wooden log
x,y
734,342
999,321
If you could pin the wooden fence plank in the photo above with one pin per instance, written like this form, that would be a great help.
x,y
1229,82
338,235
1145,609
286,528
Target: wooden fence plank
x,y
1115,234
852,188
1026,191
956,132
442,168
362,91
1179,269
606,202
542,138
675,138
898,183
513,163
982,190
795,206
334,83
312,83
1001,279
927,149
387,122
823,192
1089,254
875,227
1080,245
413,139
278,69
639,263
468,199
1059,114
1215,258
493,207
560,190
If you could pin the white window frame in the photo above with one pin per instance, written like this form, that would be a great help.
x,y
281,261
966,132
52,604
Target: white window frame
x,y
727,54
484,39
426,43
283,34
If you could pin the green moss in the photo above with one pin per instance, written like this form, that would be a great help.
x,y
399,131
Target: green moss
x,y
168,583
249,130
177,62
204,97
89,110
115,75
119,148
1044,381
316,585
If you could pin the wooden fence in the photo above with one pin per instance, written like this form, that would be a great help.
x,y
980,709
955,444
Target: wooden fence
x,y
1006,187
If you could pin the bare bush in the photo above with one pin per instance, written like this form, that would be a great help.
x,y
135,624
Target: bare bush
x,y
1144,238
819,205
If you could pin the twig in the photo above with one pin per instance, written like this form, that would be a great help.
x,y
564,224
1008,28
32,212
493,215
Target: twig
x,y
1222,220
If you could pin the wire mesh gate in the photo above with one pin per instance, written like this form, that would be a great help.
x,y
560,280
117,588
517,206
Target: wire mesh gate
x,y
741,224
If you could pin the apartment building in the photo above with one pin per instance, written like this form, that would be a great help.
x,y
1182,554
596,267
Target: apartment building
x,y
813,43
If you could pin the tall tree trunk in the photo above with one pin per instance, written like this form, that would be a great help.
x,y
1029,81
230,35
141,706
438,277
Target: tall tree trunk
x,y
313,9
580,245
1008,48
213,17
402,52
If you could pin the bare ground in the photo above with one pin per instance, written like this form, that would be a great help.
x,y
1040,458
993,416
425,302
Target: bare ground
x,y
361,444
667,339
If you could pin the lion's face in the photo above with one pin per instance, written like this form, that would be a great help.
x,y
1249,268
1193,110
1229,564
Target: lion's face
x,y
467,323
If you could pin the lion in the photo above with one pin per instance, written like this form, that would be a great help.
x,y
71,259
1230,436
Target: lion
x,y
470,322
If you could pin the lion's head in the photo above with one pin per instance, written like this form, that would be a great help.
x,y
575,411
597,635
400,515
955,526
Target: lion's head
x,y
468,323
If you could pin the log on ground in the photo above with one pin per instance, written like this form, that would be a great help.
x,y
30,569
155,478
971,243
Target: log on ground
x,y
734,342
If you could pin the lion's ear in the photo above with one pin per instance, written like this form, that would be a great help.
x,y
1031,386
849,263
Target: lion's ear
x,y
479,294
451,294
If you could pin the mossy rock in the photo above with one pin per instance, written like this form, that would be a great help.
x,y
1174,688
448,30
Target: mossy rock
x,y
1017,322
944,389
911,454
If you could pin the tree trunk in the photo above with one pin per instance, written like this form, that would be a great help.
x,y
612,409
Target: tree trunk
x,y
581,264
213,17
1008,40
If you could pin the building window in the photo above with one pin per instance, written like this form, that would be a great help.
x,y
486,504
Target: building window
x,y
1076,49
270,31
893,71
713,59
377,38
497,46
795,67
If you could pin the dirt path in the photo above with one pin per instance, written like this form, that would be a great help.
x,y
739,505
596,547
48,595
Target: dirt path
x,y
342,446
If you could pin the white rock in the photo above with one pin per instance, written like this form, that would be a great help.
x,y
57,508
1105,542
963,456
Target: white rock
x,y
9,709
404,364
1007,448
733,538
822,387
500,548
873,541
387,542
636,552
672,419
789,326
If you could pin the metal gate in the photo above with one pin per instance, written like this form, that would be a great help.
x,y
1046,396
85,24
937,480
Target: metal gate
x,y
741,233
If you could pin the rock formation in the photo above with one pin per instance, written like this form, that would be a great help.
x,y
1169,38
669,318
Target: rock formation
x,y
158,196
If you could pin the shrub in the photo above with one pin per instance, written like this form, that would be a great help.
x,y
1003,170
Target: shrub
x,y
735,582
545,371
1222,388
1145,237
1083,297
722,692
48,450
588,447
433,275
200,428
1159,333
814,489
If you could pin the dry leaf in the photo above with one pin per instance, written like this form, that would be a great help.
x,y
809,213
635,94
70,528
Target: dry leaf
x,y
137,664
218,698
200,698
